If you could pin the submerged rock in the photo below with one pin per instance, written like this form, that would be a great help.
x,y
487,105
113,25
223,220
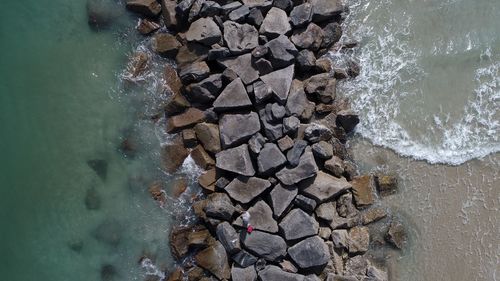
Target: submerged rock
x,y
92,199
109,232
108,272
100,167
396,234
101,13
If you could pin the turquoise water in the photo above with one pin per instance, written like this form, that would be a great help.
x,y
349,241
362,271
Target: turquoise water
x,y
62,104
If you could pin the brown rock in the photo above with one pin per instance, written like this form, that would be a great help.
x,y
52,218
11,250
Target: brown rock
x,y
146,26
285,143
335,166
178,186
214,259
200,238
372,215
386,184
172,79
396,234
148,8
188,118
359,239
207,180
137,64
362,189
191,52
189,138
202,158
176,275
310,38
176,104
179,241
165,44
169,14
158,193
209,136
173,155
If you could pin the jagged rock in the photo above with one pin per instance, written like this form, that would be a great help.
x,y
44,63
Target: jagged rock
x,y
274,273
204,31
347,119
362,189
323,187
256,143
345,206
255,17
238,128
194,72
335,166
386,184
260,51
240,38
322,86
317,132
285,143
305,169
195,10
214,259
188,118
228,237
297,101
100,167
239,14
306,60
176,275
183,7
301,15
325,233
263,66
270,159
218,53
280,82
326,9
189,138
295,153
244,259
261,218
191,52
291,125
305,203
309,38
356,266
236,160
268,246
333,32
281,197
176,104
298,224
310,254
244,190
372,215
327,211
206,90
340,238
200,238
165,44
169,14
179,241
336,277
209,136
275,23
210,9
219,206
359,240
207,180
173,155
375,274
230,6
148,8
202,158
322,150
282,51
273,132
261,91
256,3
243,274
285,5
234,96
277,112
242,66
146,27
396,234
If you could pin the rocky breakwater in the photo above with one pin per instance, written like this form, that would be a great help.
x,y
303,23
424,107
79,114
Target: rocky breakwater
x,y
253,101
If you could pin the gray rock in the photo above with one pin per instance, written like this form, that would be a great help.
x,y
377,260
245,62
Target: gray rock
x,y
295,153
209,136
306,60
270,159
273,132
340,239
242,66
317,132
291,125
305,169
268,246
322,150
191,52
359,240
347,119
234,96
240,38
285,143
345,206
278,112
214,259
210,9
280,82
332,32
255,17
282,51
256,143
297,99
324,187
310,254
274,273
148,8
309,38
327,211
298,224
305,203
285,5
375,274
239,14
263,66
236,129
325,233
195,10
244,189
183,7
228,237
204,31
219,206
194,72
261,91
218,53
335,166
326,9
243,274
275,23
236,160
322,86
260,51
244,259
301,15
261,218
230,6
336,277
281,197
206,90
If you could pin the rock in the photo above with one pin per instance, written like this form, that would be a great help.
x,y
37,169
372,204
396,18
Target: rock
x,y
310,254
273,132
234,96
243,274
322,86
214,259
137,65
306,60
244,259
256,3
239,14
209,136
100,167
326,9
202,158
92,199
316,132
281,197
288,266
274,273
362,189
183,7
169,14
157,193
242,66
207,180
200,238
275,23
148,8
179,241
305,203
176,104
218,53
396,234
280,82
195,10
270,159
305,169
261,218
386,184
309,38
260,51
324,187
356,267
194,72
335,166
345,207
236,129
295,153
324,64
301,15
229,7
165,44
173,155
261,91
285,143
191,52
101,14
278,112
285,5
219,206
282,51
347,119
268,246
291,125
210,9
340,238
336,277
189,138
188,118
327,211
146,27
255,17
375,274
244,190
297,101
236,160
359,240
108,272
263,66
205,91
240,38
228,237
322,150
256,143
332,32
297,224
372,215
204,31
325,233
109,232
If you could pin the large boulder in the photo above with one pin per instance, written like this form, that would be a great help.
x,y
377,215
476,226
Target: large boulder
x,y
363,188
322,87
204,31
194,72
301,15
219,206
236,160
238,128
234,96
281,51
268,246
327,211
281,197
173,155
326,9
202,158
261,218
209,136
165,44
214,259
280,82
270,159
169,14
298,224
309,38
148,8
310,254
244,189
228,237
240,38
191,52
242,66
306,168
275,23
274,273
188,118
324,187
297,100
387,184
359,240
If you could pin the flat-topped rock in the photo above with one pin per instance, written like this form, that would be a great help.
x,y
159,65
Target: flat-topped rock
x,y
214,259
280,82
194,72
238,128
219,206
306,168
228,237
268,246
363,188
204,31
239,14
173,155
240,38
298,224
297,101
261,218
234,96
242,66
165,44
309,38
281,197
209,136
274,273
347,119
270,159
327,211
243,274
326,9
188,118
359,240
244,189
236,160
324,187
275,23
310,254
281,52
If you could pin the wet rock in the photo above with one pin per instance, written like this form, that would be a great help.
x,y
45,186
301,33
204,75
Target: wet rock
x,y
301,15
137,65
305,203
204,31
333,32
335,166
255,17
189,138
281,197
244,190
101,14
322,86
191,52
179,238
274,273
298,224
208,179
100,167
362,189
148,8
256,143
386,184
373,215
345,206
92,199
282,52
396,234
238,128
228,237
291,125
240,38
169,14
176,104
173,155
236,160
157,193
165,44
242,66
200,238
305,169
209,136
262,91
347,119
146,27
268,246
316,132
239,14
219,206
244,259
306,60
261,218
234,96
295,153
188,118
310,254
326,9
214,259
322,150
285,143
194,72
280,82
309,38
359,240
178,186
275,23
243,274
324,187
109,232
270,159
202,158
327,211
108,272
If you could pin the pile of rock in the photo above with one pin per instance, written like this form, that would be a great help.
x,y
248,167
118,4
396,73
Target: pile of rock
x,y
253,101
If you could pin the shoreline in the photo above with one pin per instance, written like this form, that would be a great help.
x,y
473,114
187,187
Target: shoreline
x,y
253,103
